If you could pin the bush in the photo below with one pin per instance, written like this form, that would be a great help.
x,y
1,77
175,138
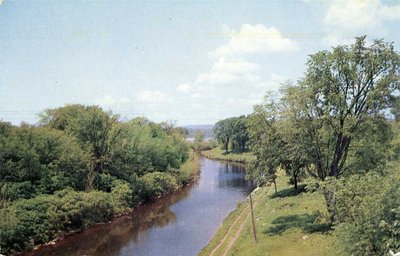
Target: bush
x,y
155,184
28,222
369,212
121,196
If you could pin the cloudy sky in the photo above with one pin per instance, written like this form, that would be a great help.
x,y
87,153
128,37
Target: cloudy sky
x,y
194,62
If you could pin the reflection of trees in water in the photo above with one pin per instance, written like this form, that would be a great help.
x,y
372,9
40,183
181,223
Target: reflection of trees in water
x,y
233,176
225,167
233,183
108,239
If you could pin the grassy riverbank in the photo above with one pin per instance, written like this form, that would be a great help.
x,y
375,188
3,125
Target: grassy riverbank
x,y
286,224
219,154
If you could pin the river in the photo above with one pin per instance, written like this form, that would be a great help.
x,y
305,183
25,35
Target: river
x,y
178,224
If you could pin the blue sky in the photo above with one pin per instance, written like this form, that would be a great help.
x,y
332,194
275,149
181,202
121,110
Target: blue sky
x,y
193,62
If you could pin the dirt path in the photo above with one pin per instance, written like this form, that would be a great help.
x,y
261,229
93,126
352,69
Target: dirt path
x,y
237,234
239,221
228,232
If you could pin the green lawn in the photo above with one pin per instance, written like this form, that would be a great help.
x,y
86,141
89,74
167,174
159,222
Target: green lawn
x,y
219,154
286,224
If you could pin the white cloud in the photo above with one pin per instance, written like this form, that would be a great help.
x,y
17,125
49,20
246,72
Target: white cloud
x,y
233,81
228,71
184,88
337,39
152,96
360,14
109,101
254,39
272,83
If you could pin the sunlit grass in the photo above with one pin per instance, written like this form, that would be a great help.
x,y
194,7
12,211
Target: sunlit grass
x,y
219,154
288,224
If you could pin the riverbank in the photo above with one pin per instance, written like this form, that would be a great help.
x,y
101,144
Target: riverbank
x,y
167,226
286,224
93,208
219,154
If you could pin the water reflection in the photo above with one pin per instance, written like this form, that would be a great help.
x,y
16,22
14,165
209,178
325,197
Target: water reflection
x,y
232,176
179,224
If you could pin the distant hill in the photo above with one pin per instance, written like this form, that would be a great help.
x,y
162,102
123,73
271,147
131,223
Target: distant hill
x,y
205,128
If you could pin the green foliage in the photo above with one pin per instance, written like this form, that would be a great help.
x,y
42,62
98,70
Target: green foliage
x,y
188,170
198,136
232,130
343,90
219,154
90,125
145,147
28,222
368,211
156,184
43,171
277,143
121,196
40,160
332,124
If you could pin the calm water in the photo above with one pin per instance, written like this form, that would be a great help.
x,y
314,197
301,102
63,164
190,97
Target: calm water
x,y
180,224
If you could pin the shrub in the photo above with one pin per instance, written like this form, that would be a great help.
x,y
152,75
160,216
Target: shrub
x,y
369,211
121,196
28,222
155,184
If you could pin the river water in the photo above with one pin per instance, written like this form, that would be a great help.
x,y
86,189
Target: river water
x,y
179,224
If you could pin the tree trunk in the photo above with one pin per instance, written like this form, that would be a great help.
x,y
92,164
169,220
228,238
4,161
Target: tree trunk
x,y
226,145
342,147
295,181
276,190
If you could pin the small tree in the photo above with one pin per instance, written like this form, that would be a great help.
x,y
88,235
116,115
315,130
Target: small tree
x,y
198,136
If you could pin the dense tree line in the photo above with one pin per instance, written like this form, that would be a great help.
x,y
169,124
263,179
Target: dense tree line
x,y
332,126
232,133
81,166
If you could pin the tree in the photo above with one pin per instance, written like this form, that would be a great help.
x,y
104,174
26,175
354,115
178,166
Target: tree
x,y
223,132
276,143
232,131
198,136
342,96
40,160
239,133
342,89
92,127
330,113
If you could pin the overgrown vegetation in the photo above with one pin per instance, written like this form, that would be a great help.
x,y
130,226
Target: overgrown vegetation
x,y
82,166
333,127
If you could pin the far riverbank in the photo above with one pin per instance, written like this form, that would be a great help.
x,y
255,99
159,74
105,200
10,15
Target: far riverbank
x,y
219,154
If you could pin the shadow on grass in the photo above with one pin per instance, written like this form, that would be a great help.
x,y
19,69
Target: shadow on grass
x,y
290,191
305,221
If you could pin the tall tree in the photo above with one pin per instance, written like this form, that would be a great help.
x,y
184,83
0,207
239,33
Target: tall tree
x,y
223,133
277,142
92,126
239,133
343,92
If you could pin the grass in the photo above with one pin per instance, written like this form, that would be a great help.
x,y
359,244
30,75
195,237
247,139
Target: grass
x,y
190,170
219,154
288,223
